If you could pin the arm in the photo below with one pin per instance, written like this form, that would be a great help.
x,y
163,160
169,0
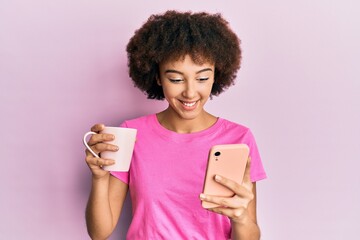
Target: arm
x,y
240,208
104,206
247,227
107,192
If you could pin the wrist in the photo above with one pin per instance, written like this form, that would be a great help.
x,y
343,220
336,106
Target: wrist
x,y
242,221
245,228
100,180
100,186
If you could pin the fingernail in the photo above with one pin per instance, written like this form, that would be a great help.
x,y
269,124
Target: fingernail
x,y
202,196
115,148
218,178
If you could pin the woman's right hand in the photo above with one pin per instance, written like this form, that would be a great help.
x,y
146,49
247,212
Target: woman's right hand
x,y
98,144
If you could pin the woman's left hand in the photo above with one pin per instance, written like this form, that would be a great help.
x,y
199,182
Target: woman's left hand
x,y
235,207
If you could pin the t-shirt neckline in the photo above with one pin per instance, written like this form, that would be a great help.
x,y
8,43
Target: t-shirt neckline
x,y
168,134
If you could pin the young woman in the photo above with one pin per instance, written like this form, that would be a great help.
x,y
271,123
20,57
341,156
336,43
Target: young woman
x,y
184,58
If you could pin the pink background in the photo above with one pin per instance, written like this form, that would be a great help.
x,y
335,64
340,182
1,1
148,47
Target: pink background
x,y
63,68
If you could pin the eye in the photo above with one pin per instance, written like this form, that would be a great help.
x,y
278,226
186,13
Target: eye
x,y
203,79
177,80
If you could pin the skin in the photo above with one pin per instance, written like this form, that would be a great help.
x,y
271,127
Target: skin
x,y
187,87
241,208
107,194
185,83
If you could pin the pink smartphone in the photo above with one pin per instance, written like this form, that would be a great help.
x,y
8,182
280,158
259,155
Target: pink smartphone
x,y
229,161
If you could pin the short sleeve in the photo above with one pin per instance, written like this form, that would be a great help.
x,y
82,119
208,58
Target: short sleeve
x,y
122,176
257,171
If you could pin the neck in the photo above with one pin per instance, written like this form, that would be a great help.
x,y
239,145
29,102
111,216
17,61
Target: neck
x,y
173,122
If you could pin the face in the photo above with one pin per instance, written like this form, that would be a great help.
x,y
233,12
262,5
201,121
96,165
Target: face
x,y
187,86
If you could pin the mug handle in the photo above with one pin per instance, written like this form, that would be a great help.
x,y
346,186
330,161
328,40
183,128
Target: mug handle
x,y
87,146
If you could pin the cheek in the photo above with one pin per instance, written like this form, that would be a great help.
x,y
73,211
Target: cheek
x,y
170,91
206,90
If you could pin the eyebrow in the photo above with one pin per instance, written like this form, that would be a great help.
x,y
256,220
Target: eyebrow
x,y
175,71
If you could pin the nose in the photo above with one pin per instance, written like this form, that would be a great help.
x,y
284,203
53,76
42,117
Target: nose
x,y
189,90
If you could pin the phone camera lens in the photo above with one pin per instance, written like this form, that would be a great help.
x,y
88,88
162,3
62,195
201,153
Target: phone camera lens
x,y
217,154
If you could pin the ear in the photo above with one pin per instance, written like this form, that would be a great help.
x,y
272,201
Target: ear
x,y
158,81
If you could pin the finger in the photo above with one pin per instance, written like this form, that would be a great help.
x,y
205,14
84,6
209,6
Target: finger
x,y
88,153
231,213
102,147
229,202
97,127
241,190
90,160
101,137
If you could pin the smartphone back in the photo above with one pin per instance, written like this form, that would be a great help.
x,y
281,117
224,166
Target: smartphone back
x,y
228,161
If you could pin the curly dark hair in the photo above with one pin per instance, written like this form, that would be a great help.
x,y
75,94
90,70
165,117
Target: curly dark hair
x,y
172,35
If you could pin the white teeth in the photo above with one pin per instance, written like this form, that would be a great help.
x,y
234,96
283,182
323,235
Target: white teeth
x,y
189,104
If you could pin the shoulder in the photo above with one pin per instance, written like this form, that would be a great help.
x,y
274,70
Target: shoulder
x,y
139,121
237,131
233,126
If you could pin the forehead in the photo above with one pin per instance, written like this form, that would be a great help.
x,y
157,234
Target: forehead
x,y
187,62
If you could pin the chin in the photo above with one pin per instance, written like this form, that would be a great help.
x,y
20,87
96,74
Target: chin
x,y
189,115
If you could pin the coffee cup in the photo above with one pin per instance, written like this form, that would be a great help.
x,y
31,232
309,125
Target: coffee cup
x,y
125,139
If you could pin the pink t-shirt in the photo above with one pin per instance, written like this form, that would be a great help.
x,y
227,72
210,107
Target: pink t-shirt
x,y
166,178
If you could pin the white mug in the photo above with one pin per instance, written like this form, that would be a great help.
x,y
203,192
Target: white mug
x,y
125,139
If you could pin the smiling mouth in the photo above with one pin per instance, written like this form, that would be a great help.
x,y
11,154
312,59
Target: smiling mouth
x,y
189,104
